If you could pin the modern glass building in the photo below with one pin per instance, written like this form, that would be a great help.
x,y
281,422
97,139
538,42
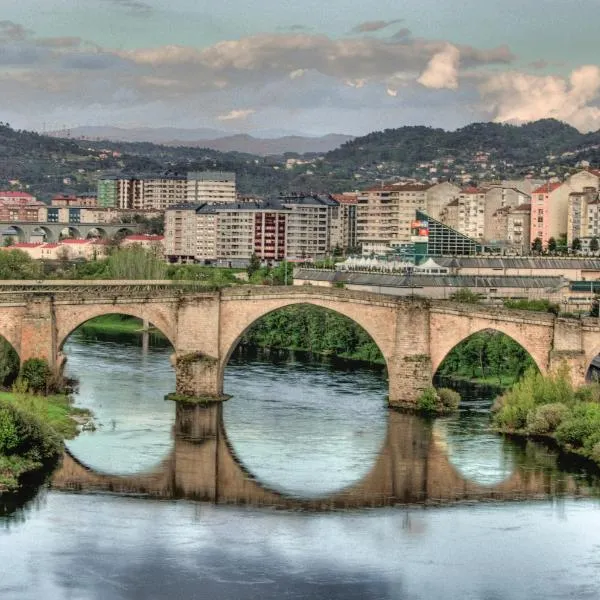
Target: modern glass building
x,y
433,238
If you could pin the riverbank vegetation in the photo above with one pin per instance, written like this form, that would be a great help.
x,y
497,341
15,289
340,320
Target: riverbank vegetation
x,y
551,406
35,416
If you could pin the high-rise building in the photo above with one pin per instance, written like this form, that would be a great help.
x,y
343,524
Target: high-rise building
x,y
343,222
212,187
308,224
384,215
226,232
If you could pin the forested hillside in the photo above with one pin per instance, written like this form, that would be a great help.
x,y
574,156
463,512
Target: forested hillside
x,y
529,143
45,165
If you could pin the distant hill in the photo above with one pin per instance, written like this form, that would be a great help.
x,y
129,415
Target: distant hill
x,y
524,144
48,165
210,138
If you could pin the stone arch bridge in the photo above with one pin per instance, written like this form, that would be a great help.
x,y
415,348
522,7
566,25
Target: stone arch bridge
x,y
204,327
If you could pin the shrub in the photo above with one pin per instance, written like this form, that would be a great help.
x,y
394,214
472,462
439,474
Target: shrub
x,y
546,418
37,374
432,401
449,398
21,433
428,401
589,392
581,424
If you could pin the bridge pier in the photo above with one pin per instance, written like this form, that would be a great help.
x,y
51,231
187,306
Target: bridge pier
x,y
38,332
198,376
410,366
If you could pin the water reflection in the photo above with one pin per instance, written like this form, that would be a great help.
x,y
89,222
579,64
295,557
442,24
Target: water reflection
x,y
289,420
124,386
478,453
411,468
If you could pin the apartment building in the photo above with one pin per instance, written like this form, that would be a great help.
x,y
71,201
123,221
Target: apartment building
x,y
439,196
85,200
308,225
343,221
230,233
582,219
211,187
550,205
152,192
471,212
16,198
384,215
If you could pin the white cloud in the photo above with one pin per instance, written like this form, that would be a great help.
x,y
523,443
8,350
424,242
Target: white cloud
x,y
520,97
442,70
297,73
236,115
391,92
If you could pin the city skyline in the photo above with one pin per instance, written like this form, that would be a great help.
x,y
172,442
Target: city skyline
x,y
344,68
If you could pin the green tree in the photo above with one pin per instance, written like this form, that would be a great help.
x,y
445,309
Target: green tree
x,y
135,262
594,245
253,265
37,375
576,245
16,264
8,241
552,245
536,246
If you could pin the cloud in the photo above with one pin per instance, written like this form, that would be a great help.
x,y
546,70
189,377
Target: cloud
x,y
370,26
520,97
236,115
442,70
297,73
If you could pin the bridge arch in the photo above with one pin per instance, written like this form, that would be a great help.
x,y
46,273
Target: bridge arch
x,y
533,333
97,232
379,322
471,336
70,232
48,234
77,316
19,233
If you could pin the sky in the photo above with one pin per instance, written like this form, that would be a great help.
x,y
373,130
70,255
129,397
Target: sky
x,y
309,67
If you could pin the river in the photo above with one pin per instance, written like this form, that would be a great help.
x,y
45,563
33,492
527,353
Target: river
x,y
473,515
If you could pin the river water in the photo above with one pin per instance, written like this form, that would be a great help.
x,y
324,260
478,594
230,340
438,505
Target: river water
x,y
443,510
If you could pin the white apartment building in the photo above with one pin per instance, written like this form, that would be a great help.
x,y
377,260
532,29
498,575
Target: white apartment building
x,y
308,225
212,187
384,215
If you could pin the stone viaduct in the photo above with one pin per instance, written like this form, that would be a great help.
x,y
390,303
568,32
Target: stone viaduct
x,y
412,468
26,230
204,327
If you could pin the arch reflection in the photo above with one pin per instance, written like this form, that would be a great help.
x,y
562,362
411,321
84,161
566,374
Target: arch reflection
x,y
412,468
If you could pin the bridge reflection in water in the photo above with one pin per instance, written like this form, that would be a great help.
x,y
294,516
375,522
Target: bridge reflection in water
x,y
412,468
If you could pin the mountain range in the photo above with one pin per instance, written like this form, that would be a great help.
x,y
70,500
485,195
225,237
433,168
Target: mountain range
x,y
478,152
265,143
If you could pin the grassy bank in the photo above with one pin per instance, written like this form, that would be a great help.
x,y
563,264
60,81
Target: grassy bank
x,y
31,432
115,324
549,406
